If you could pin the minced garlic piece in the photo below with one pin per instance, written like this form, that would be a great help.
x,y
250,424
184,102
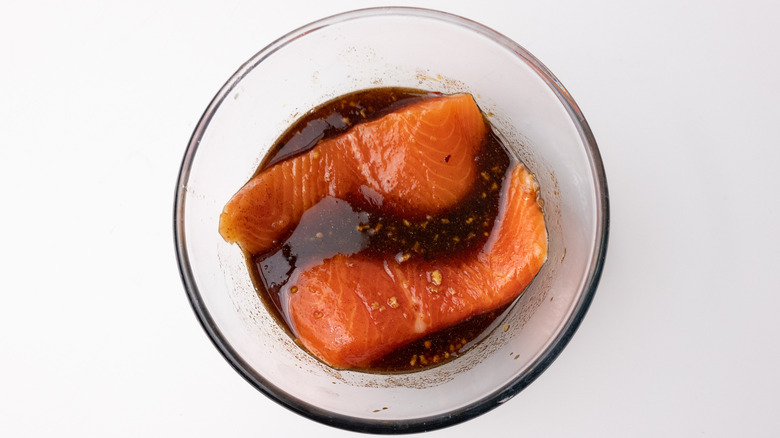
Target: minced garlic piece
x,y
401,257
393,302
436,277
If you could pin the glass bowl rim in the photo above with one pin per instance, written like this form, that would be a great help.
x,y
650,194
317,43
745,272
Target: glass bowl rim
x,y
475,408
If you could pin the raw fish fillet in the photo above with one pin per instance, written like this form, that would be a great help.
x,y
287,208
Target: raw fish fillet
x,y
415,161
351,310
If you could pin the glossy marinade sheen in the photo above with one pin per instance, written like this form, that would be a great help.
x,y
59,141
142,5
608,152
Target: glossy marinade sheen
x,y
333,226
411,162
349,310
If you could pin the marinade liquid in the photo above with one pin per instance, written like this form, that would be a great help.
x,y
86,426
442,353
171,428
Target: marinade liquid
x,y
333,226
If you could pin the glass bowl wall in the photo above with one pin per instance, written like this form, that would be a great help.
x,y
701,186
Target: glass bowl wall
x,y
413,48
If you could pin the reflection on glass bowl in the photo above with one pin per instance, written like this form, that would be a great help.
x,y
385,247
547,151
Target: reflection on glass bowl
x,y
400,47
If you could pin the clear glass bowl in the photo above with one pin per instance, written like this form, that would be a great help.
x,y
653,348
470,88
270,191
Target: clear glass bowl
x,y
408,48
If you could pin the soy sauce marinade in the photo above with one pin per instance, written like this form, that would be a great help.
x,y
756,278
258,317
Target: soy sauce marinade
x,y
333,227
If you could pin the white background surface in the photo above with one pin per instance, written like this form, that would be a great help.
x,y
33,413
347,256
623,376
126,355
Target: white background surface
x,y
98,101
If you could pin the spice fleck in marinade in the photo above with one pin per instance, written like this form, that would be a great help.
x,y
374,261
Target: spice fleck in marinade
x,y
348,231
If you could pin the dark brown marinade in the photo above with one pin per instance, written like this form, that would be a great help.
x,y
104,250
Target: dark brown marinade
x,y
452,235
438,347
337,116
